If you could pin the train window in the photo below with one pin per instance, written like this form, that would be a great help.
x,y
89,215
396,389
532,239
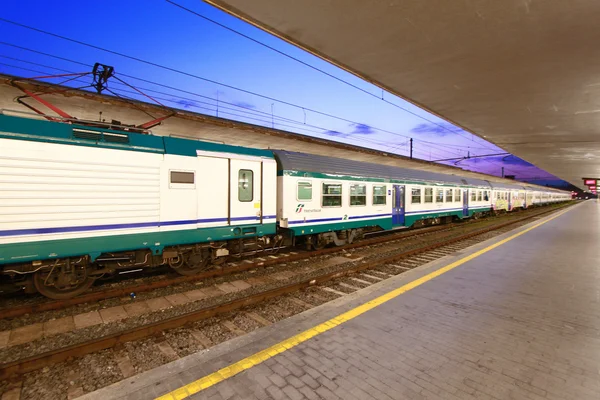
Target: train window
x,y
245,185
439,195
428,195
358,195
449,196
479,197
486,196
332,195
473,195
304,191
379,197
182,177
456,194
415,197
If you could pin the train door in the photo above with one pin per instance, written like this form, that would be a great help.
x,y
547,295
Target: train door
x,y
509,201
398,209
211,191
465,202
245,194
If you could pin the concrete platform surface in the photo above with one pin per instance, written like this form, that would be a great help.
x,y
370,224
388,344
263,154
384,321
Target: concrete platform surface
x,y
515,317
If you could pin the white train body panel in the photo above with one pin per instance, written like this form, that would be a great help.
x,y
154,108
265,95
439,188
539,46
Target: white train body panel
x,y
54,191
418,200
296,211
46,185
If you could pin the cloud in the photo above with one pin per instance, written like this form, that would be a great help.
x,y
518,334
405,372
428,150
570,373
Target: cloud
x,y
439,129
186,103
358,129
362,129
243,104
337,134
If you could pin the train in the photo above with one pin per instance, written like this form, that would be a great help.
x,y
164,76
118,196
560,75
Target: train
x,y
81,201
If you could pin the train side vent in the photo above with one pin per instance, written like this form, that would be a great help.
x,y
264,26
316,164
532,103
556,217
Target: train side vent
x,y
116,137
86,134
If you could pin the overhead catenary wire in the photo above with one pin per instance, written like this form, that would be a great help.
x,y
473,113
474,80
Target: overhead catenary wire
x,y
199,95
137,59
311,66
202,96
128,98
424,155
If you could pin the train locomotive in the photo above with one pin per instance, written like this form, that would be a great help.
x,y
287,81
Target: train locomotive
x,y
81,201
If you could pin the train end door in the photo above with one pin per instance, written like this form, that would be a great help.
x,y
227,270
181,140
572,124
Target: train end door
x,y
398,205
465,202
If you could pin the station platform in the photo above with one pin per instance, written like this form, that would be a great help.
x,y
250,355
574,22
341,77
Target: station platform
x,y
515,317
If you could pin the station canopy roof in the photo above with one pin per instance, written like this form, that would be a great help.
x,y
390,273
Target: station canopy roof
x,y
523,74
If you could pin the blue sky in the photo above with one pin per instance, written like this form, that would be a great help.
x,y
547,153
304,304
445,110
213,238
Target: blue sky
x,y
159,32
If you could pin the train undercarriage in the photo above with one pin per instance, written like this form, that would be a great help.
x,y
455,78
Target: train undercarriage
x,y
69,277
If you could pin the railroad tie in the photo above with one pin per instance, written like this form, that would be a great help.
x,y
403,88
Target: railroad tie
x,y
167,350
124,363
348,286
331,290
261,320
382,273
301,303
361,281
201,338
372,277
233,328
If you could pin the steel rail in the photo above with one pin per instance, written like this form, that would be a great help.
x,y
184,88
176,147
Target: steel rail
x,y
18,311
42,360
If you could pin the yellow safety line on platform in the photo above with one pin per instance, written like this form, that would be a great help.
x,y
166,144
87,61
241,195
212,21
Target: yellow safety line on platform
x,y
255,359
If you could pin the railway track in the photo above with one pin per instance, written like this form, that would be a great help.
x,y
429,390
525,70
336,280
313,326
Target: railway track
x,y
228,269
344,278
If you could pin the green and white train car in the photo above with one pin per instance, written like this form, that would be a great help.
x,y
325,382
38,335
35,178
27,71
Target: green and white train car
x,y
327,197
81,200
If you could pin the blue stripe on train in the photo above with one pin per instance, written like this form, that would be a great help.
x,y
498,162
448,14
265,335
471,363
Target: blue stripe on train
x,y
43,231
432,211
301,221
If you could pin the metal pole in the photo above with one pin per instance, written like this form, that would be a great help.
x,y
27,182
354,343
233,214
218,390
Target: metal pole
x,y
411,148
272,120
503,172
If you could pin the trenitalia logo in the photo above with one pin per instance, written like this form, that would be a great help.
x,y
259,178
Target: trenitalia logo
x,y
300,209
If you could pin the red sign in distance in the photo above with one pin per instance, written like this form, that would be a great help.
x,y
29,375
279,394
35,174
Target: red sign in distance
x,y
589,181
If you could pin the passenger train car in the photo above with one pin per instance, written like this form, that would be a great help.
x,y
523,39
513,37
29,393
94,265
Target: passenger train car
x,y
81,201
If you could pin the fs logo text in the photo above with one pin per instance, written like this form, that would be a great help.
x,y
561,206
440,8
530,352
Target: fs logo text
x,y
299,208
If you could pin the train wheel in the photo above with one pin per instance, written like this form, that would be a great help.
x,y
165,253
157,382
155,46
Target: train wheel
x,y
317,243
58,285
193,264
